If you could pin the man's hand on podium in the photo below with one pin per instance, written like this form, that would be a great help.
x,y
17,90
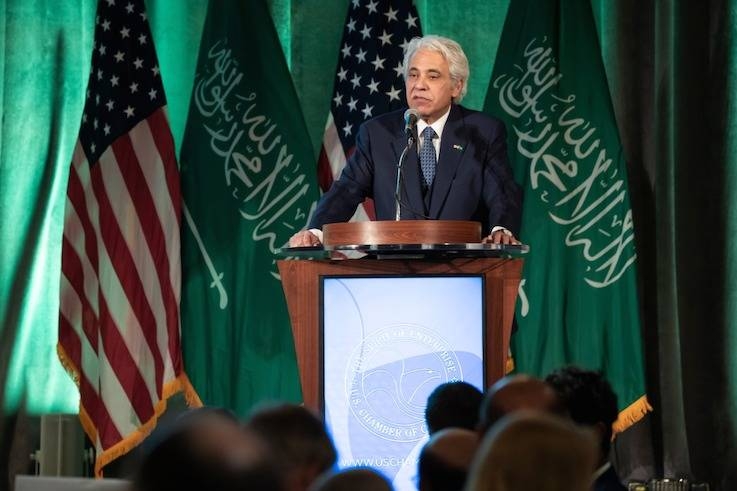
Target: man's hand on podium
x,y
304,238
500,236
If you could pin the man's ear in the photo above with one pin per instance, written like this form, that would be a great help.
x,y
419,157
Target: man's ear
x,y
457,88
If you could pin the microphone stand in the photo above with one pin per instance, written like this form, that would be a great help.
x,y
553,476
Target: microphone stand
x,y
402,158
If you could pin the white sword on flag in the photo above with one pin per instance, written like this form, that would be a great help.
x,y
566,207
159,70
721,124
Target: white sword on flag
x,y
216,277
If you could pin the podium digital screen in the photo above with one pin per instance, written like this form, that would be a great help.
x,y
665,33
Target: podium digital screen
x,y
387,343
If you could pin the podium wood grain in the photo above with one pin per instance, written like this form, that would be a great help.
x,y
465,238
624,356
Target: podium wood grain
x,y
401,232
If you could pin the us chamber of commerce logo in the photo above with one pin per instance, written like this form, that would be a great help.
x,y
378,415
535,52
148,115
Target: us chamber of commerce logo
x,y
390,375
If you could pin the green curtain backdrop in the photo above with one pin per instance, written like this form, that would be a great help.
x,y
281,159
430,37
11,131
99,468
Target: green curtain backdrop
x,y
672,74
45,62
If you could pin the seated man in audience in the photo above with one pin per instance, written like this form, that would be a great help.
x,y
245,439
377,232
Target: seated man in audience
x,y
298,439
206,449
534,451
516,393
453,405
591,401
446,458
357,479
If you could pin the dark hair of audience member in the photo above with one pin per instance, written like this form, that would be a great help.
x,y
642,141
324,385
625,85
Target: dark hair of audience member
x,y
517,393
589,399
534,451
298,439
355,479
446,458
453,405
206,450
442,475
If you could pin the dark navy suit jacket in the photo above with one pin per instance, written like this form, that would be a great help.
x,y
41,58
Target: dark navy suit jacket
x,y
473,179
609,481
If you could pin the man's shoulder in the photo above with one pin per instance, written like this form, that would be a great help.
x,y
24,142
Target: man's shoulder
x,y
383,126
393,121
390,119
473,117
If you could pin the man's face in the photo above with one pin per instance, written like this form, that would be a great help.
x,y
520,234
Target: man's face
x,y
430,90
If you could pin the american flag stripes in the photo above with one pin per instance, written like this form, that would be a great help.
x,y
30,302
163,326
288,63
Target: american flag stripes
x,y
368,79
121,275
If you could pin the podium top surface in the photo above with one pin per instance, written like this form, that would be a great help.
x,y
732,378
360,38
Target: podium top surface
x,y
405,251
405,232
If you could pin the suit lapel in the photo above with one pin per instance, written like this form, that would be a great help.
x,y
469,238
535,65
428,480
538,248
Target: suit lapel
x,y
410,180
453,144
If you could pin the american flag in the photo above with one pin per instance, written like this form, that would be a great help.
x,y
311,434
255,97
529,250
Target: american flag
x,y
368,80
121,273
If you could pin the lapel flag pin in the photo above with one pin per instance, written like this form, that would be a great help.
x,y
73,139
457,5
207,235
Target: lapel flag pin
x,y
457,147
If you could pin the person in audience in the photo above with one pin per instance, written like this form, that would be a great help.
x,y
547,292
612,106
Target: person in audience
x,y
591,402
446,458
515,393
298,439
534,451
356,479
453,405
206,449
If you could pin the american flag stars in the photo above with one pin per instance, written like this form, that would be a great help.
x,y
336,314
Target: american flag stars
x,y
125,76
369,78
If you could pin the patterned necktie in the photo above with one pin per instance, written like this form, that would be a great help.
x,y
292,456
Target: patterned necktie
x,y
428,160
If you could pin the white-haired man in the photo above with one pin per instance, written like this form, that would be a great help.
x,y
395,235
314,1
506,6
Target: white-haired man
x,y
458,170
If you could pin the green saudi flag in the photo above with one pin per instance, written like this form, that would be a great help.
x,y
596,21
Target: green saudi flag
x,y
248,183
578,299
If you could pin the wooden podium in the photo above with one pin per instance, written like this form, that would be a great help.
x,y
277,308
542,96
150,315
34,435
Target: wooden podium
x,y
401,248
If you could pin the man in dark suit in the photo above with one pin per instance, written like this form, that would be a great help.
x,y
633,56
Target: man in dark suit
x,y
457,170
591,402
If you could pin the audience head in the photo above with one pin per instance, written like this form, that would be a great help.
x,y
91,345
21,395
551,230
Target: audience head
x,y
453,405
516,393
446,458
356,479
298,440
589,399
206,449
533,451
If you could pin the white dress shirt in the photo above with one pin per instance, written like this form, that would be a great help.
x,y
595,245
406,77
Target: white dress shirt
x,y
437,126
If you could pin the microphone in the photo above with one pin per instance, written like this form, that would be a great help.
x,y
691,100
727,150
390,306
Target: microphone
x,y
410,129
397,188
410,123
